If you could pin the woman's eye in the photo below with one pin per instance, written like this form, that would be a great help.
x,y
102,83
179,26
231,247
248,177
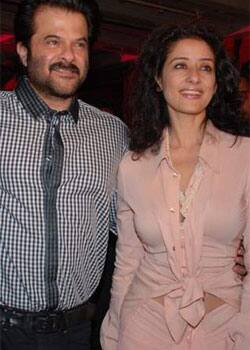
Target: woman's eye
x,y
180,66
207,68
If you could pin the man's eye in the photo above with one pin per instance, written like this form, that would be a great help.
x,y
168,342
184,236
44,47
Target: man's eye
x,y
52,42
81,44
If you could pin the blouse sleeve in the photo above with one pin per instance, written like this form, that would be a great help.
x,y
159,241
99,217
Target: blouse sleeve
x,y
129,251
241,323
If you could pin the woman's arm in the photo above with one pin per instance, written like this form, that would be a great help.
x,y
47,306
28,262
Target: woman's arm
x,y
241,323
129,251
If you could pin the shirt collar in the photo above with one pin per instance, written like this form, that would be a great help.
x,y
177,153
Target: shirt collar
x,y
208,152
36,106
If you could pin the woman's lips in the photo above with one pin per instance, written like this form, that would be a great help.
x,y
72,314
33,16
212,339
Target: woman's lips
x,y
191,94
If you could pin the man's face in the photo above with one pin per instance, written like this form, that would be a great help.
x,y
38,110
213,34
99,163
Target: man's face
x,y
57,59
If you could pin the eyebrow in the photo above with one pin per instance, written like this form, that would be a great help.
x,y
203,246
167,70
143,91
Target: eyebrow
x,y
82,39
54,36
51,36
186,59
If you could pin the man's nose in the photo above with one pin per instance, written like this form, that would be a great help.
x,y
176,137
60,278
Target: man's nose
x,y
68,53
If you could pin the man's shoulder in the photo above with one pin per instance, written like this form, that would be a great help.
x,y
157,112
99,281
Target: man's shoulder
x,y
8,102
98,115
105,125
6,95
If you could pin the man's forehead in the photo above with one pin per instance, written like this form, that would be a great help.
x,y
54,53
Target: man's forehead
x,y
51,12
52,18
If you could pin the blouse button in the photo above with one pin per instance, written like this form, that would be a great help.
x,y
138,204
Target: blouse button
x,y
172,210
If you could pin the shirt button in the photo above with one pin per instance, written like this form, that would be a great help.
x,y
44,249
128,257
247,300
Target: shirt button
x,y
189,336
175,174
172,210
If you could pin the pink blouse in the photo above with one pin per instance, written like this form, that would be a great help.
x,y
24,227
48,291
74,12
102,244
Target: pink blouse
x,y
152,241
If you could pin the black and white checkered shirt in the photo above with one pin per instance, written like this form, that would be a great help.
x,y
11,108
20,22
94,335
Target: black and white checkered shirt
x,y
57,199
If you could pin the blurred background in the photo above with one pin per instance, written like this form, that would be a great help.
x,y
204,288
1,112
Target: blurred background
x,y
125,24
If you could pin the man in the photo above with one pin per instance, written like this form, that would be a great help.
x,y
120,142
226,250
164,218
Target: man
x,y
58,163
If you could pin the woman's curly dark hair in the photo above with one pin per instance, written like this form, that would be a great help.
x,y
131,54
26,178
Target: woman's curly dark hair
x,y
149,111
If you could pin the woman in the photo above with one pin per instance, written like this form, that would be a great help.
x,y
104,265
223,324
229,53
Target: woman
x,y
184,192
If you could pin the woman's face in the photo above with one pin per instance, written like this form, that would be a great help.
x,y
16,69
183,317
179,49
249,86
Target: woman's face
x,y
188,79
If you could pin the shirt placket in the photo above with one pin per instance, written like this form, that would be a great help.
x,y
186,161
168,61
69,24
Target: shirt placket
x,y
180,239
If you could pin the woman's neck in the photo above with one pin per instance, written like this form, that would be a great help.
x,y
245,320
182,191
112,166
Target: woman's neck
x,y
187,132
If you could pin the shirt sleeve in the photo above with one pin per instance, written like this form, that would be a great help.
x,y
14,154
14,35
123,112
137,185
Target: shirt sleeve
x,y
113,213
240,330
113,205
129,251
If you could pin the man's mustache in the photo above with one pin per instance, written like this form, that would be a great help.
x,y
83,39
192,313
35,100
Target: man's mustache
x,y
61,65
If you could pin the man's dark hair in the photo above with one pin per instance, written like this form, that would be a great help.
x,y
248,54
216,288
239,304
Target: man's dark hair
x,y
24,20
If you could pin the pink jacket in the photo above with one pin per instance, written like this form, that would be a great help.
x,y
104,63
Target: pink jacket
x,y
150,244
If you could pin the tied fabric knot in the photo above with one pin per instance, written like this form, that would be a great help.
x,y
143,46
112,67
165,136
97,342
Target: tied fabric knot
x,y
190,311
192,307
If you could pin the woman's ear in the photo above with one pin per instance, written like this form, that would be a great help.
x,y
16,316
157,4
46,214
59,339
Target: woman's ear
x,y
22,52
215,88
159,84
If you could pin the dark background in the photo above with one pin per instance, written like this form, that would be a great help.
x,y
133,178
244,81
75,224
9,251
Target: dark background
x,y
125,24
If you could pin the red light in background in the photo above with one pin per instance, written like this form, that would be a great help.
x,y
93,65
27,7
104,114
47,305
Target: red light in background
x,y
6,37
10,85
126,57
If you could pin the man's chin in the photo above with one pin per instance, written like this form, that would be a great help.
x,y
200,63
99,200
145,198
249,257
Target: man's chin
x,y
64,92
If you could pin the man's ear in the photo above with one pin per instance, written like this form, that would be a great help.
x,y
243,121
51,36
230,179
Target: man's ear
x,y
22,52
